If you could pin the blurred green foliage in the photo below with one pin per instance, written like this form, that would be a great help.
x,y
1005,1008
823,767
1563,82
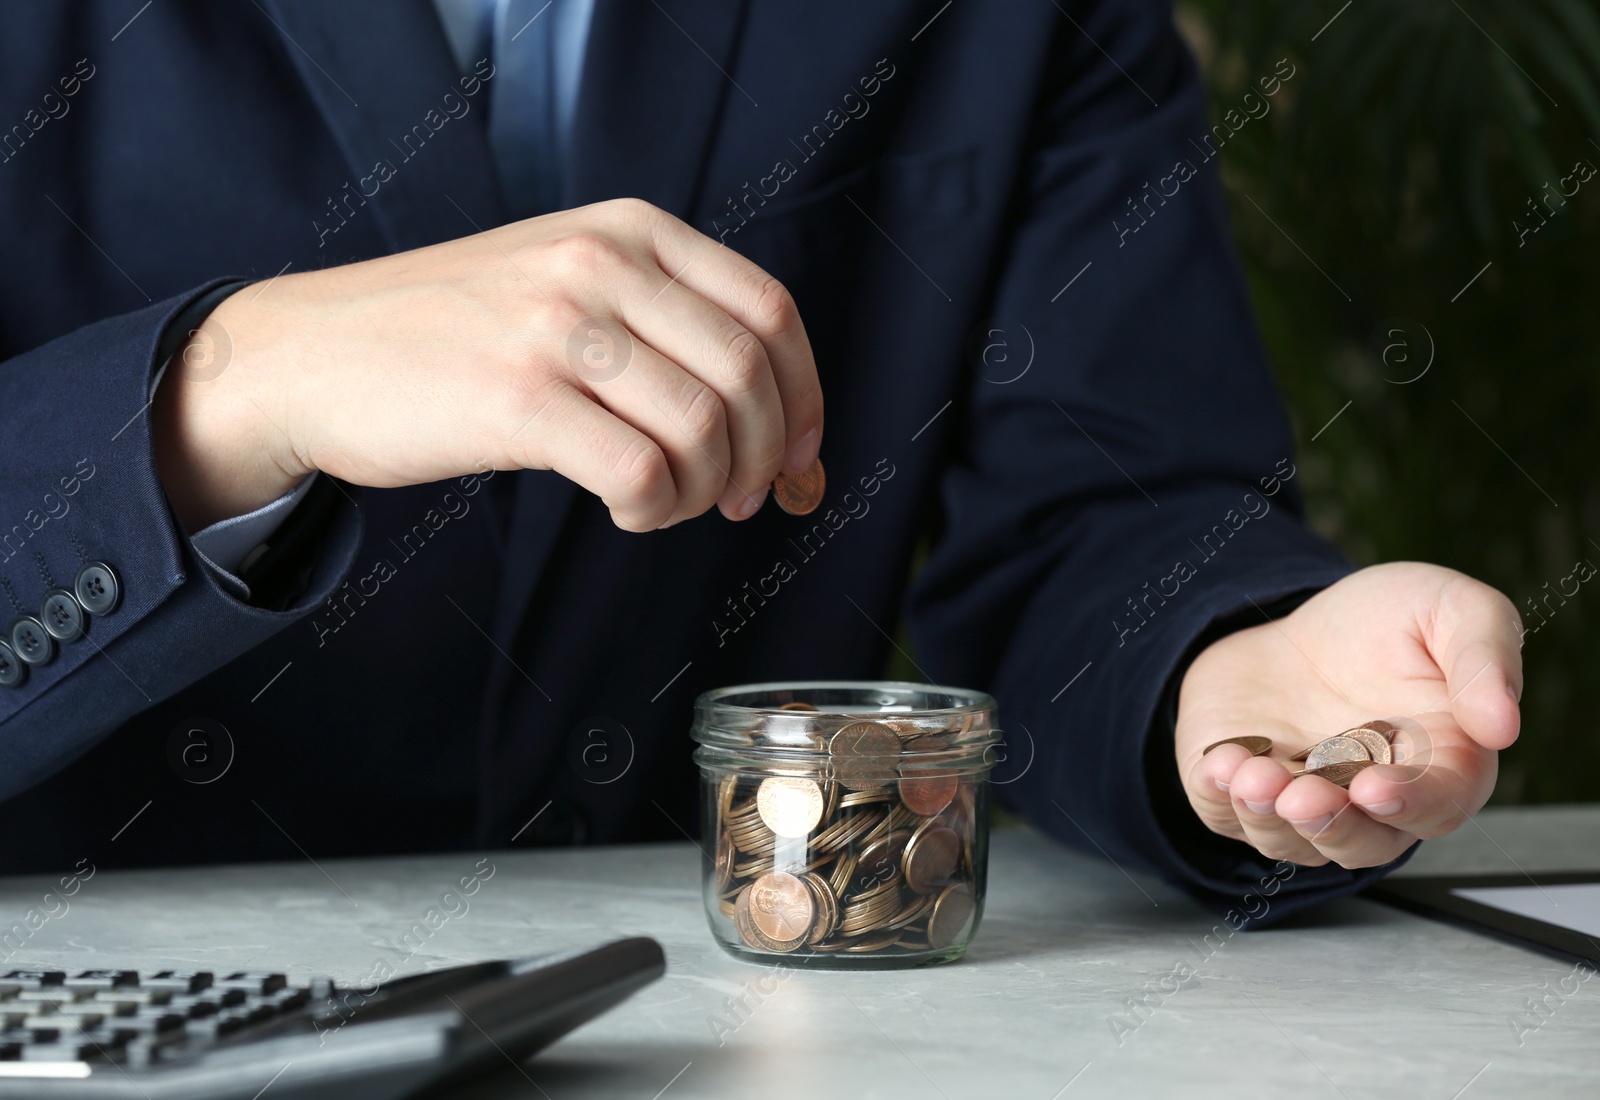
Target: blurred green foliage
x,y
1419,141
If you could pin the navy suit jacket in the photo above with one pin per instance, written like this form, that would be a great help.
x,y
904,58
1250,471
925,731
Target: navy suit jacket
x,y
1042,387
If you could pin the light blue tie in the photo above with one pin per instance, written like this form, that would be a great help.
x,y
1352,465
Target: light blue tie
x,y
522,122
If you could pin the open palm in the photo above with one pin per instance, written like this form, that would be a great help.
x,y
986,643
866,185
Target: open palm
x,y
1428,648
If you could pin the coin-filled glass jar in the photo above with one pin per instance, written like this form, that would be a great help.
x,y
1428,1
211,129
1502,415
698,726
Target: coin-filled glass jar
x,y
845,823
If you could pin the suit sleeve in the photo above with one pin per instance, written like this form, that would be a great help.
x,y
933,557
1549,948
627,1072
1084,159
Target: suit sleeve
x,y
1129,494
81,486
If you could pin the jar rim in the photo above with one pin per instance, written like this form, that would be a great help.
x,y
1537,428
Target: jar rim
x,y
725,717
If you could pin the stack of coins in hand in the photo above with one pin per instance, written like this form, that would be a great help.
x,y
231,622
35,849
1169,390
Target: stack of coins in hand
x,y
870,842
1339,758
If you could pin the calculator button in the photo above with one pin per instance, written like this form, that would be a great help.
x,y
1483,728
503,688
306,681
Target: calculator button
x,y
51,995
254,981
134,996
150,1022
77,1050
33,979
180,981
103,979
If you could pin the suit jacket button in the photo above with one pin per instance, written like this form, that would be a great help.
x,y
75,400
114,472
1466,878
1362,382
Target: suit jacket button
x,y
97,588
62,616
32,641
12,671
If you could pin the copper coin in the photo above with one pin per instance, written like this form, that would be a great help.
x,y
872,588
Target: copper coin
x,y
801,493
872,942
796,706
782,907
724,861
879,862
951,915
930,858
1335,750
1258,746
1379,726
789,806
1341,772
927,791
741,919
864,755
1377,745
725,792
827,909
1303,753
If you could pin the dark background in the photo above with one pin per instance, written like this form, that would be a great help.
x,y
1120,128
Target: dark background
x,y
1435,420
1401,159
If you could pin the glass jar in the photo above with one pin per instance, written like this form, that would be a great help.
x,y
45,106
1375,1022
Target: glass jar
x,y
844,823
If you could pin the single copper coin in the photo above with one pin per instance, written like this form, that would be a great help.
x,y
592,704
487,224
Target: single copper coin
x,y
782,907
927,791
796,706
801,493
1341,772
930,858
1386,729
1377,745
790,806
864,755
951,915
1335,750
1258,746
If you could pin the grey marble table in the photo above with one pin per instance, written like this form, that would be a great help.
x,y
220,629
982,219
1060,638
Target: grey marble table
x,y
1356,1000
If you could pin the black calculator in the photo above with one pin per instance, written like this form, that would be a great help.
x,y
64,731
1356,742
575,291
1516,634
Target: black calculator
x,y
187,1035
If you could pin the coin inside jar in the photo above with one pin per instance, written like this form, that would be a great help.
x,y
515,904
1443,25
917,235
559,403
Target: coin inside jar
x,y
926,791
1335,750
864,755
789,806
879,861
800,494
782,907
931,857
950,915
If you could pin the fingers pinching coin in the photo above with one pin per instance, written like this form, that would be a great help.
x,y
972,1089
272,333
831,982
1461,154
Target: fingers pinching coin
x,y
1339,758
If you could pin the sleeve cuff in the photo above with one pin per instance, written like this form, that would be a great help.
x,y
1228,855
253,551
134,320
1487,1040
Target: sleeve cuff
x,y
228,545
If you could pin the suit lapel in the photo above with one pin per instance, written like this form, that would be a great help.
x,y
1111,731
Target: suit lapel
x,y
379,72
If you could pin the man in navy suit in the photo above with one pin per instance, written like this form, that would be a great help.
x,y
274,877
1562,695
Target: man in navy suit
x,y
371,371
